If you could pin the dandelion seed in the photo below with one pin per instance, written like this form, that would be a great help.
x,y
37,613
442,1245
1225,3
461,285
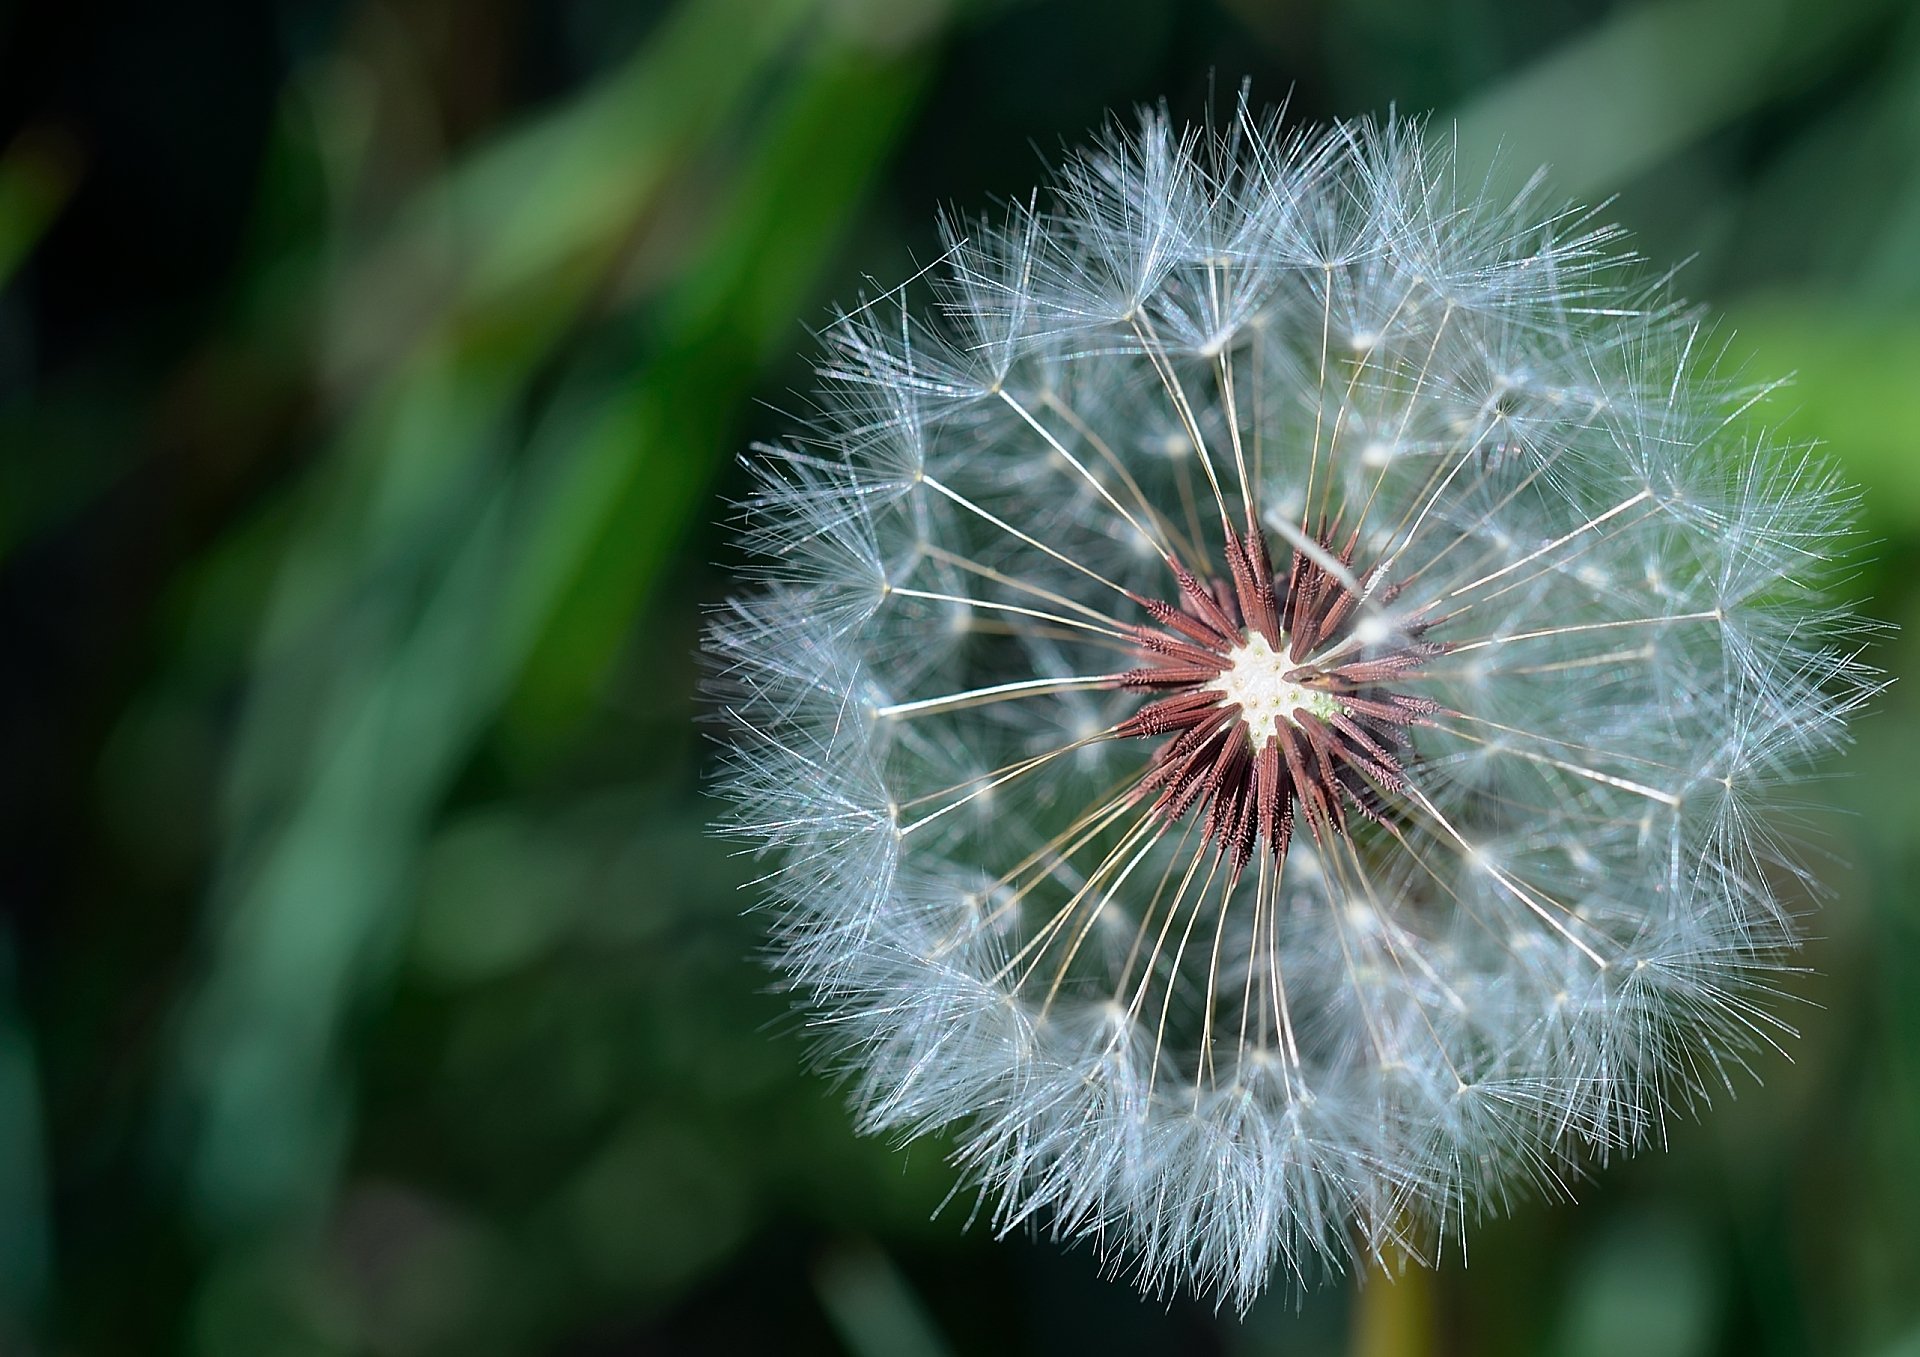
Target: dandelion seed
x,y
1264,695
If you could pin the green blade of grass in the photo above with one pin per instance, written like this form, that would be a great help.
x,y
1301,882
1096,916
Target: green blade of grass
x,y
427,570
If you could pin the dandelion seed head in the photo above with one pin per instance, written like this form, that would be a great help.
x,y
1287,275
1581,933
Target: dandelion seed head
x,y
1262,694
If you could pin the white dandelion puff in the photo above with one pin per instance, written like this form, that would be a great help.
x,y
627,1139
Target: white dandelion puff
x,y
1264,698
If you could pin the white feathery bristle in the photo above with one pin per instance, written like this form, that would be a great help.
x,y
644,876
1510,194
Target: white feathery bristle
x,y
1517,897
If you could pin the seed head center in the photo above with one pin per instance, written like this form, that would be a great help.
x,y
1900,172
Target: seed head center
x,y
1255,679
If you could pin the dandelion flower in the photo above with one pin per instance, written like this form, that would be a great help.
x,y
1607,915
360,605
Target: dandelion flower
x,y
1266,674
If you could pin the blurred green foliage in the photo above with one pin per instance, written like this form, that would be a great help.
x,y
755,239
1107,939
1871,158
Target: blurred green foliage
x,y
369,378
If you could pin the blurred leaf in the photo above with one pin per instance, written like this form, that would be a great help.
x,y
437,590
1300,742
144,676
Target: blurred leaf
x,y
1855,390
639,468
1642,1286
873,1307
529,226
1649,80
431,559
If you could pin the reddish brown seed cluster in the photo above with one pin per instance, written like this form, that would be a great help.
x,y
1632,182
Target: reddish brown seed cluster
x,y
1236,654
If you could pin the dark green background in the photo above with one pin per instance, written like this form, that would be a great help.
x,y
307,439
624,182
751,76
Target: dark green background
x,y
370,375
